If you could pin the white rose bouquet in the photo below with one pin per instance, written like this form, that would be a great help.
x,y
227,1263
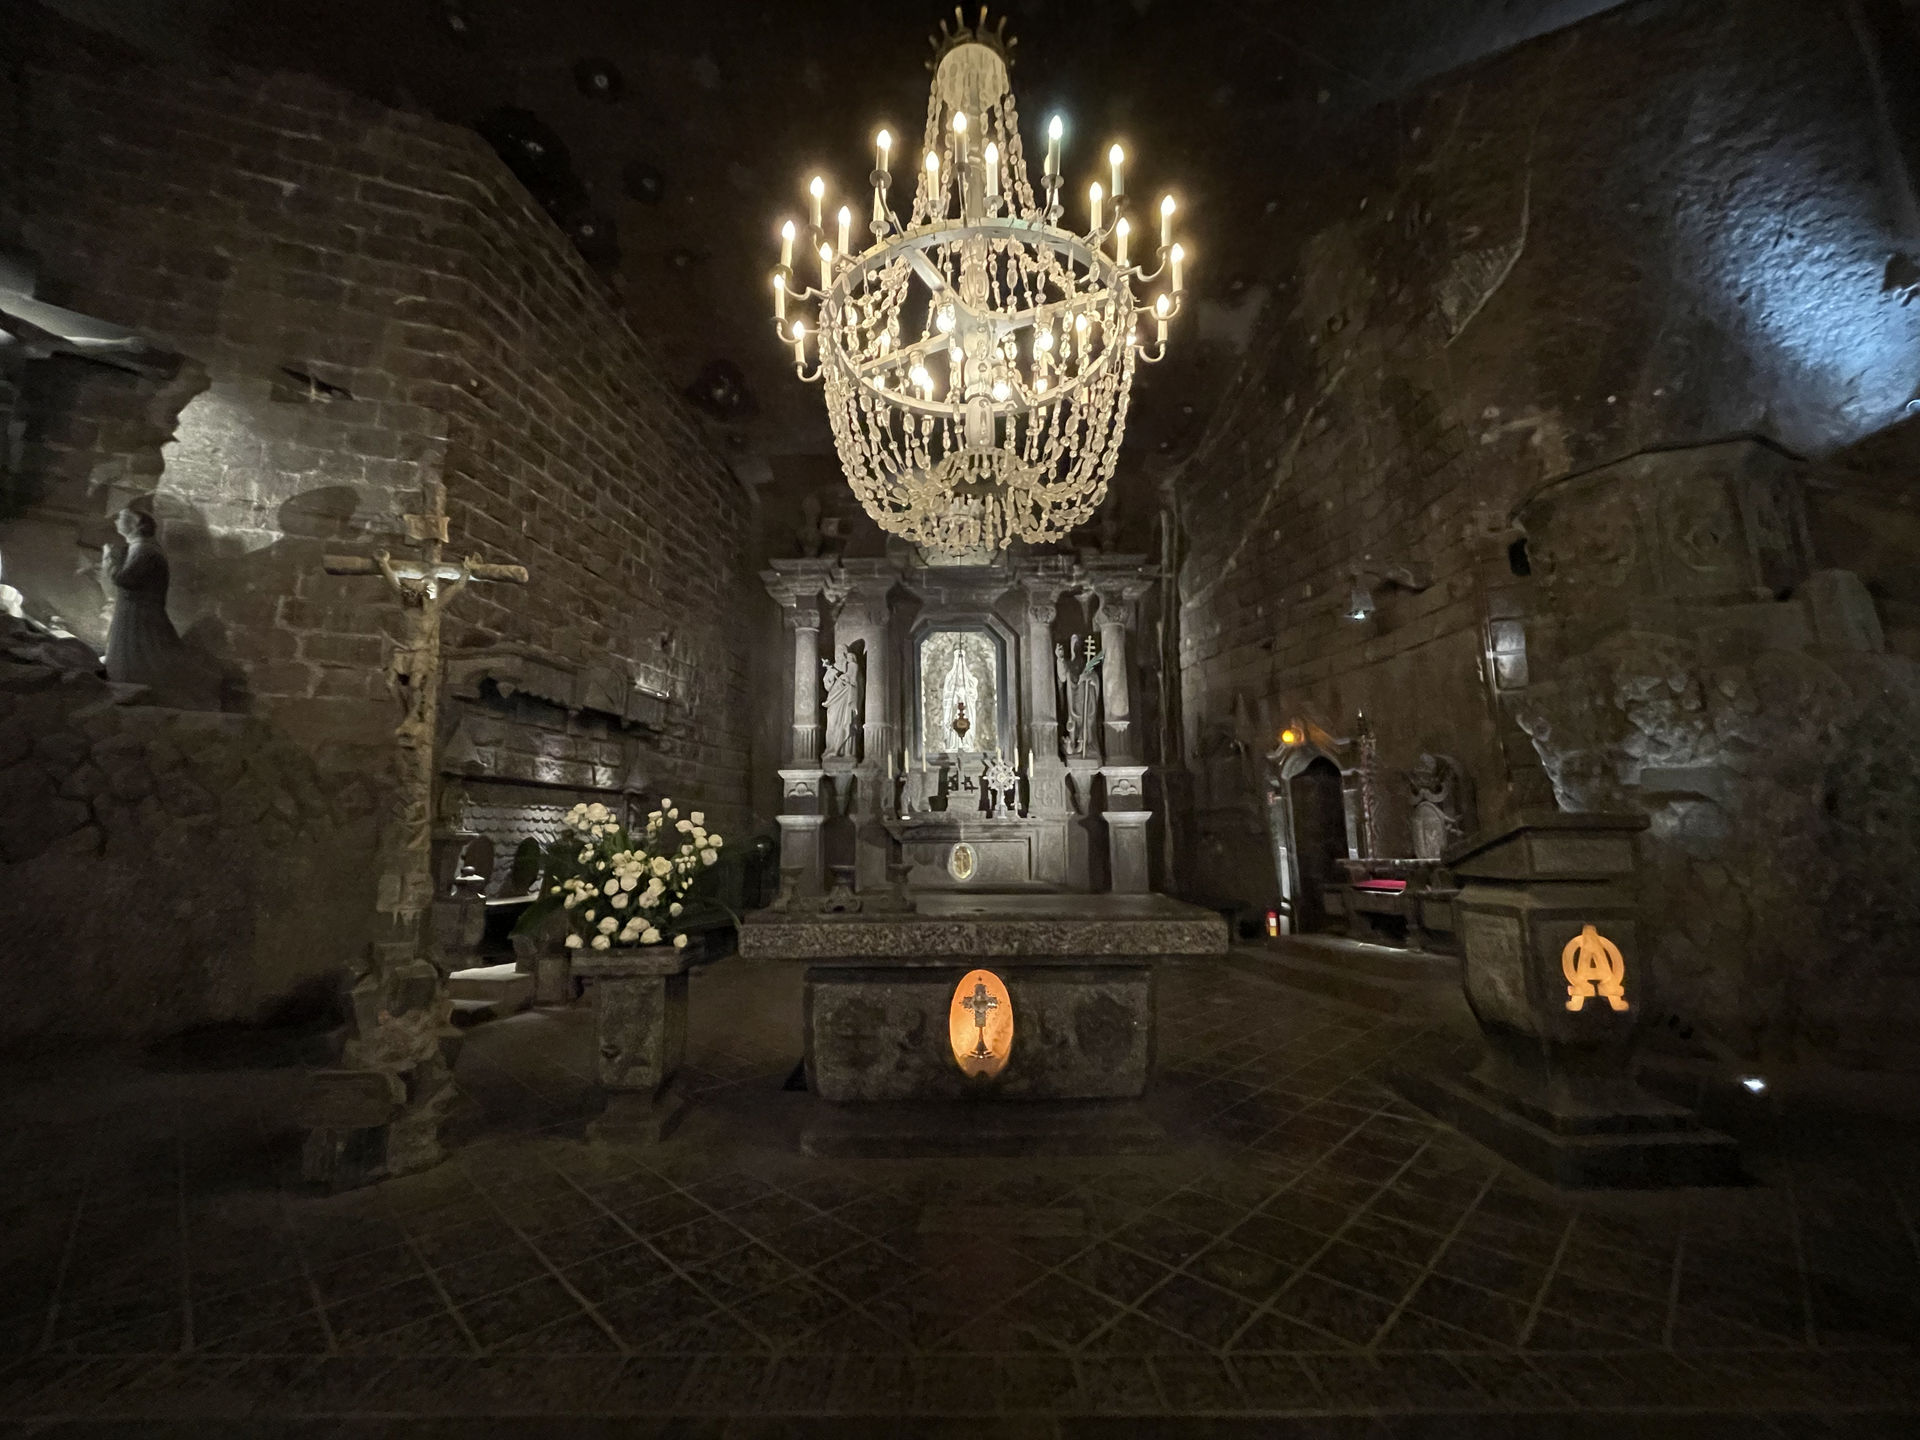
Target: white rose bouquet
x,y
620,888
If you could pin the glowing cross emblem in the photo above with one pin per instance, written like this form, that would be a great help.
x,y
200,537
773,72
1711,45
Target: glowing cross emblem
x,y
980,1002
1593,968
980,1024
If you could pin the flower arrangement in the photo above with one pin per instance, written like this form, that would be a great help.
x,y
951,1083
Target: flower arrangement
x,y
617,888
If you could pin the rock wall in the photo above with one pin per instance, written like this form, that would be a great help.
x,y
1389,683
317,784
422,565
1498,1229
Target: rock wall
x,y
162,868
351,305
1679,222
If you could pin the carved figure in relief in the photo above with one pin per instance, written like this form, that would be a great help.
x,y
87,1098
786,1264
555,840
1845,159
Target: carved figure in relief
x,y
1434,786
1078,673
143,648
841,684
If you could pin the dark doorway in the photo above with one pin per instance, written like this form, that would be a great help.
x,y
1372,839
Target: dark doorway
x,y
1319,837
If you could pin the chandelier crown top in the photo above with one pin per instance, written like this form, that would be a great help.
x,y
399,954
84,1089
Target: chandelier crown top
x,y
995,38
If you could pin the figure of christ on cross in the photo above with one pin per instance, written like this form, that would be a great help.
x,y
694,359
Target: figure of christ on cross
x,y
980,1002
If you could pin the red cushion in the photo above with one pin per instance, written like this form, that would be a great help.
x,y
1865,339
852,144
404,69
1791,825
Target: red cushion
x,y
1380,885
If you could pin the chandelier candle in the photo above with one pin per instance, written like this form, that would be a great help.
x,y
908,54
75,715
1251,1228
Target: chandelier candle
x,y
977,365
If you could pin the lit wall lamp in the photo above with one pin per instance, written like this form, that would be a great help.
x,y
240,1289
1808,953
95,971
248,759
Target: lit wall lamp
x,y
1368,574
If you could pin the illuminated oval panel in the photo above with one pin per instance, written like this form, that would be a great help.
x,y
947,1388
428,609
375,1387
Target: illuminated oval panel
x,y
980,1023
962,862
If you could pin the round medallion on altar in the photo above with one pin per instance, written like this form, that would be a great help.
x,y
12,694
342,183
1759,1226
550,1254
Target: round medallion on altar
x,y
980,1024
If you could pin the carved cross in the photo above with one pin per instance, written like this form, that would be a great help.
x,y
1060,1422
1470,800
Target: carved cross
x,y
980,1002
425,587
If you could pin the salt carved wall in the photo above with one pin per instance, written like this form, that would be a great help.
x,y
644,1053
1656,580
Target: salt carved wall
x,y
1672,224
162,868
358,301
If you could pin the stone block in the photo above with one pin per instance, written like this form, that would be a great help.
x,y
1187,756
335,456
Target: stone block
x,y
1081,1031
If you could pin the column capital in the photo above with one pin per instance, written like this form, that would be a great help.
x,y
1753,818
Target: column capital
x,y
798,618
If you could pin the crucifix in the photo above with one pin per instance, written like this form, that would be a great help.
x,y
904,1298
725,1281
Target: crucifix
x,y
425,587
980,1002
395,1079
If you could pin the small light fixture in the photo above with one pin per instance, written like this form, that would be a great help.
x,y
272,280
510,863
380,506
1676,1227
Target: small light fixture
x,y
1273,923
1753,1084
1289,736
1359,601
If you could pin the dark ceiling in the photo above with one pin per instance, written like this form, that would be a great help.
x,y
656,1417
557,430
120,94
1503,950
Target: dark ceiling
x,y
671,138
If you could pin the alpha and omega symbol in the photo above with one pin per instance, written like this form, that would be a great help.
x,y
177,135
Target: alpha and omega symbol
x,y
1594,969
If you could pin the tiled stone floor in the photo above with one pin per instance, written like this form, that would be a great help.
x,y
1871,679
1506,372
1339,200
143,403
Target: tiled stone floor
x,y
1313,1258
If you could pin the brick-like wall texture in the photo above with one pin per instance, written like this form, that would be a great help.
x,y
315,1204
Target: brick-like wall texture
x,y
269,228
364,302
1682,221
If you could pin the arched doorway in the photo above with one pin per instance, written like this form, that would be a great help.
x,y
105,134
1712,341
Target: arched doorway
x,y
1319,837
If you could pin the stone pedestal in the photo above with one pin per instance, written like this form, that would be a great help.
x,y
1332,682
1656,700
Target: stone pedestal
x,y
379,1114
1127,854
1086,841
1126,817
803,808
640,1020
1075,1018
1559,978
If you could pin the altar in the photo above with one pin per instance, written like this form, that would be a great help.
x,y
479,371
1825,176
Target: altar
x,y
969,727
966,857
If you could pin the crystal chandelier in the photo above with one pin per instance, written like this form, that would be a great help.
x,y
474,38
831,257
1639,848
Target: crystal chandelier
x,y
977,358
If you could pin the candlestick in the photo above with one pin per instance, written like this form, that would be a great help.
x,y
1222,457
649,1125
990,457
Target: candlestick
x,y
960,137
882,149
938,203
799,342
786,246
1179,257
1160,308
815,191
846,230
993,170
1093,203
1120,233
826,267
779,294
1054,129
1114,157
1166,221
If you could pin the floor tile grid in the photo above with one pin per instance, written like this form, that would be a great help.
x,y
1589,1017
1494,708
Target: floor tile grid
x,y
1131,1308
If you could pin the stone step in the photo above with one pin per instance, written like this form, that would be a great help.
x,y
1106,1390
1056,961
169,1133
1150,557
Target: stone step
x,y
500,989
1390,982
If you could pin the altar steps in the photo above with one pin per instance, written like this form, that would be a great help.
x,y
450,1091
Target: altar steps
x,y
1408,984
488,992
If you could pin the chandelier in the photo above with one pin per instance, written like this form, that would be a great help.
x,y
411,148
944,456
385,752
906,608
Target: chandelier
x,y
977,358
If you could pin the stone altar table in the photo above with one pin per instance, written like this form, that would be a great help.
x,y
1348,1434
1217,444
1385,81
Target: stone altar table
x,y
882,1045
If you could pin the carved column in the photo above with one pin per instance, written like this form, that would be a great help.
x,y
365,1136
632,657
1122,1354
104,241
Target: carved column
x,y
862,621
1118,602
805,624
1045,777
796,586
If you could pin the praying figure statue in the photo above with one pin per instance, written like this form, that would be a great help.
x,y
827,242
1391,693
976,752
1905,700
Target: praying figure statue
x,y
1078,673
143,648
842,686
